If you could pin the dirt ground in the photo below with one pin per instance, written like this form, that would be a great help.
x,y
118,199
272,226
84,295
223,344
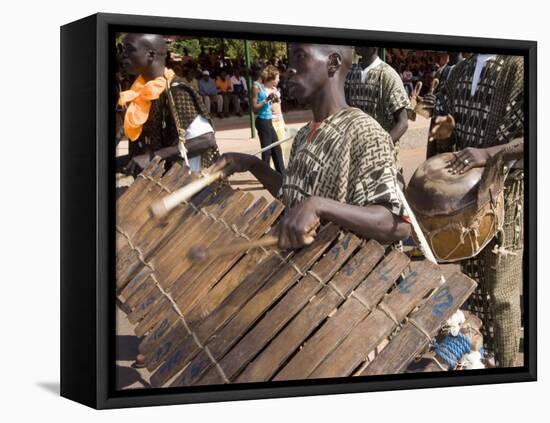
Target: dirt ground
x,y
233,134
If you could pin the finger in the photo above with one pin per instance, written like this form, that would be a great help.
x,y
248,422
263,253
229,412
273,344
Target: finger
x,y
435,130
466,168
294,236
283,237
299,237
464,163
458,167
226,164
219,164
453,161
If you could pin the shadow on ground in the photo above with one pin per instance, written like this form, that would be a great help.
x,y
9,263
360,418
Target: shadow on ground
x,y
51,387
126,347
127,376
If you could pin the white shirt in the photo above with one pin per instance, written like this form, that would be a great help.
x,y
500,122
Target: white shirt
x,y
480,62
238,81
199,126
365,71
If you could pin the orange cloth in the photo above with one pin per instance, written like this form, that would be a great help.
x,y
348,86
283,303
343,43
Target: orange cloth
x,y
223,85
139,96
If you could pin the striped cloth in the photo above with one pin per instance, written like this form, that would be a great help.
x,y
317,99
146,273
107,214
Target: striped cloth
x,y
494,114
381,95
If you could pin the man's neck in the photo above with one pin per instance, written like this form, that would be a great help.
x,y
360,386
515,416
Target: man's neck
x,y
328,102
367,61
153,72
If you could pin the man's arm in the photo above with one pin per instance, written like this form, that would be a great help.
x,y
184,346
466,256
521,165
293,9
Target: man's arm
x,y
470,157
238,162
370,222
192,146
396,102
401,124
213,89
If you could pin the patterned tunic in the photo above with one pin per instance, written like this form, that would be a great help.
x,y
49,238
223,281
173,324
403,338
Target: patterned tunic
x,y
349,158
494,114
381,95
160,130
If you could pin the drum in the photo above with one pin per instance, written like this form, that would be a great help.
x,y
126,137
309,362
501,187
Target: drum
x,y
264,314
458,214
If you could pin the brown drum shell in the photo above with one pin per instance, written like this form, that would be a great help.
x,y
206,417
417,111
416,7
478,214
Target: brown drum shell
x,y
456,224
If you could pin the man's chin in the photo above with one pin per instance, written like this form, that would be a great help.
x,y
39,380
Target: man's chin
x,y
129,69
298,94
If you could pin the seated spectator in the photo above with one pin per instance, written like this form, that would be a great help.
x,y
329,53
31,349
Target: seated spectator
x,y
225,90
239,88
209,93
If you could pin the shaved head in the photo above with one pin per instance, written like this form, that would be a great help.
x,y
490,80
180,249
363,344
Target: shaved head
x,y
345,52
144,54
153,42
318,68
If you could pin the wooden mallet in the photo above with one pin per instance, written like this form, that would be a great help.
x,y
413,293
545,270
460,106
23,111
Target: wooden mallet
x,y
162,207
199,253
421,108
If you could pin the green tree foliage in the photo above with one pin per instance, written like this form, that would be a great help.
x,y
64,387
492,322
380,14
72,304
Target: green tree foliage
x,y
233,48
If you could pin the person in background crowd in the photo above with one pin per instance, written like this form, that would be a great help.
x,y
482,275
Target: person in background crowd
x,y
407,77
212,58
209,93
240,88
276,112
225,90
261,104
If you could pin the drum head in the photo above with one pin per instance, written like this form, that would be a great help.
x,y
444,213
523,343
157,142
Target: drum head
x,y
433,190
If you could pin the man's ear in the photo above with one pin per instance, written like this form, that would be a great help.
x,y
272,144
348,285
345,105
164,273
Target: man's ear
x,y
151,55
334,63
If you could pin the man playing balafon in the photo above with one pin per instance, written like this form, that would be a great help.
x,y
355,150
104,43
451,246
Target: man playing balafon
x,y
342,165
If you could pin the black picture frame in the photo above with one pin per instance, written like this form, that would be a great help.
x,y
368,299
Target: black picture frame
x,y
88,219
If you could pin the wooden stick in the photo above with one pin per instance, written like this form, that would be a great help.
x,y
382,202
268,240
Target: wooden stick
x,y
424,246
417,89
292,133
198,253
201,253
161,207
435,83
420,107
